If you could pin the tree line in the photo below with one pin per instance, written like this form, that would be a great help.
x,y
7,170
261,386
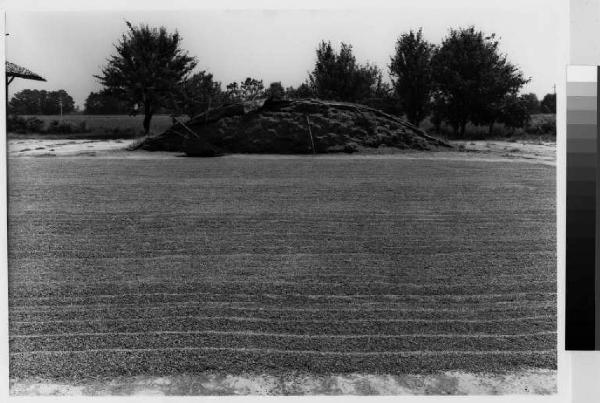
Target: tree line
x,y
464,79
41,102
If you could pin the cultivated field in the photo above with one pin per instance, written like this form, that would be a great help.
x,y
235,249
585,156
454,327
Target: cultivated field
x,y
122,267
103,125
124,126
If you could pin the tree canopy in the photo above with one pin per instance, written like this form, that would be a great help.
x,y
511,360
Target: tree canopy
x,y
532,103
199,93
148,65
548,104
472,78
247,90
337,76
41,102
410,70
104,103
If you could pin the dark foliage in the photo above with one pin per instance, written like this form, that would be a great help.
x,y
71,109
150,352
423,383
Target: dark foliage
x,y
304,90
104,103
275,91
410,69
19,125
548,104
199,93
472,79
246,90
41,102
532,103
514,112
148,65
337,76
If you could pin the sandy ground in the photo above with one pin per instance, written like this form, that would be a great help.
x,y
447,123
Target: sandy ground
x,y
534,152
447,383
453,383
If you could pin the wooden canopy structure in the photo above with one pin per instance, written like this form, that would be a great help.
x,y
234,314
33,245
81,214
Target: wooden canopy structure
x,y
15,71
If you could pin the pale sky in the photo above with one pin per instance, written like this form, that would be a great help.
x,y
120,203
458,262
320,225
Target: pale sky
x,y
68,48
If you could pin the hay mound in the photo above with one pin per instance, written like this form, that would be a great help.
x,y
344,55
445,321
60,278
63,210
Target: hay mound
x,y
290,127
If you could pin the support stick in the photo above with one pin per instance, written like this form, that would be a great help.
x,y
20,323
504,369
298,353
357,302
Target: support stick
x,y
312,143
186,128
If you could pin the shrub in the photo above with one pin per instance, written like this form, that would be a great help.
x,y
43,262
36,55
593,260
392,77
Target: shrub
x,y
122,132
56,127
542,124
17,124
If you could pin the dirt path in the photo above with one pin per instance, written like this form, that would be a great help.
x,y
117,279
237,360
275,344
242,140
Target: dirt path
x,y
538,152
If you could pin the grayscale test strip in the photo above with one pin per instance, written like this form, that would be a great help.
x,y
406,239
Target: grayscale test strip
x,y
582,220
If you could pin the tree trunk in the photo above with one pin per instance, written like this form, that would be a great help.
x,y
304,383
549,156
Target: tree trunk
x,y
491,128
455,129
147,118
463,128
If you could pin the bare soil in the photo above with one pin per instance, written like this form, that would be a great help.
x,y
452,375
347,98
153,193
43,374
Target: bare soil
x,y
516,151
530,382
415,272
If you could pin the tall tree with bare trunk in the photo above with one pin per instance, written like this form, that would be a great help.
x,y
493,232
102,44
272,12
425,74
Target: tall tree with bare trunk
x,y
410,69
147,70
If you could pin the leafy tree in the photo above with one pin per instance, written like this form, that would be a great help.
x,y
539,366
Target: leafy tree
x,y
148,65
233,92
60,100
410,69
532,103
514,112
103,103
548,104
199,93
472,79
25,102
251,89
275,91
41,102
246,90
304,90
339,77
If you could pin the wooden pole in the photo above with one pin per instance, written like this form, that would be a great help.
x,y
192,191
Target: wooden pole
x,y
312,143
8,81
186,128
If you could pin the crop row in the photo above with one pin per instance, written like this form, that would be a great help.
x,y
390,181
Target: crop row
x,y
160,363
369,343
291,299
269,312
505,326
289,288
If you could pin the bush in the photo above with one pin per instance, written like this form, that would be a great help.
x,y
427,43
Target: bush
x,y
122,132
542,124
17,124
20,125
56,127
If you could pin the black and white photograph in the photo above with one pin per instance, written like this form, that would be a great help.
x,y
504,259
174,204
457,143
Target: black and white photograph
x,y
287,202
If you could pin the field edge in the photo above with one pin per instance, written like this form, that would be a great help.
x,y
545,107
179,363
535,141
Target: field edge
x,y
523,382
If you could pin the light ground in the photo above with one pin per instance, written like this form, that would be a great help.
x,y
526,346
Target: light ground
x,y
532,382
521,381
518,151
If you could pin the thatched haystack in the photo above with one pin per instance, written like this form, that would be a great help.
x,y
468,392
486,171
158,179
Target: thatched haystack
x,y
290,127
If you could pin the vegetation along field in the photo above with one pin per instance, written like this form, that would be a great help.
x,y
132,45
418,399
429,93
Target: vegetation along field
x,y
81,126
272,265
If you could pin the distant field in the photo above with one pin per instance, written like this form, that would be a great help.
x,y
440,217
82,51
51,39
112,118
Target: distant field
x,y
101,125
104,126
541,125
156,267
